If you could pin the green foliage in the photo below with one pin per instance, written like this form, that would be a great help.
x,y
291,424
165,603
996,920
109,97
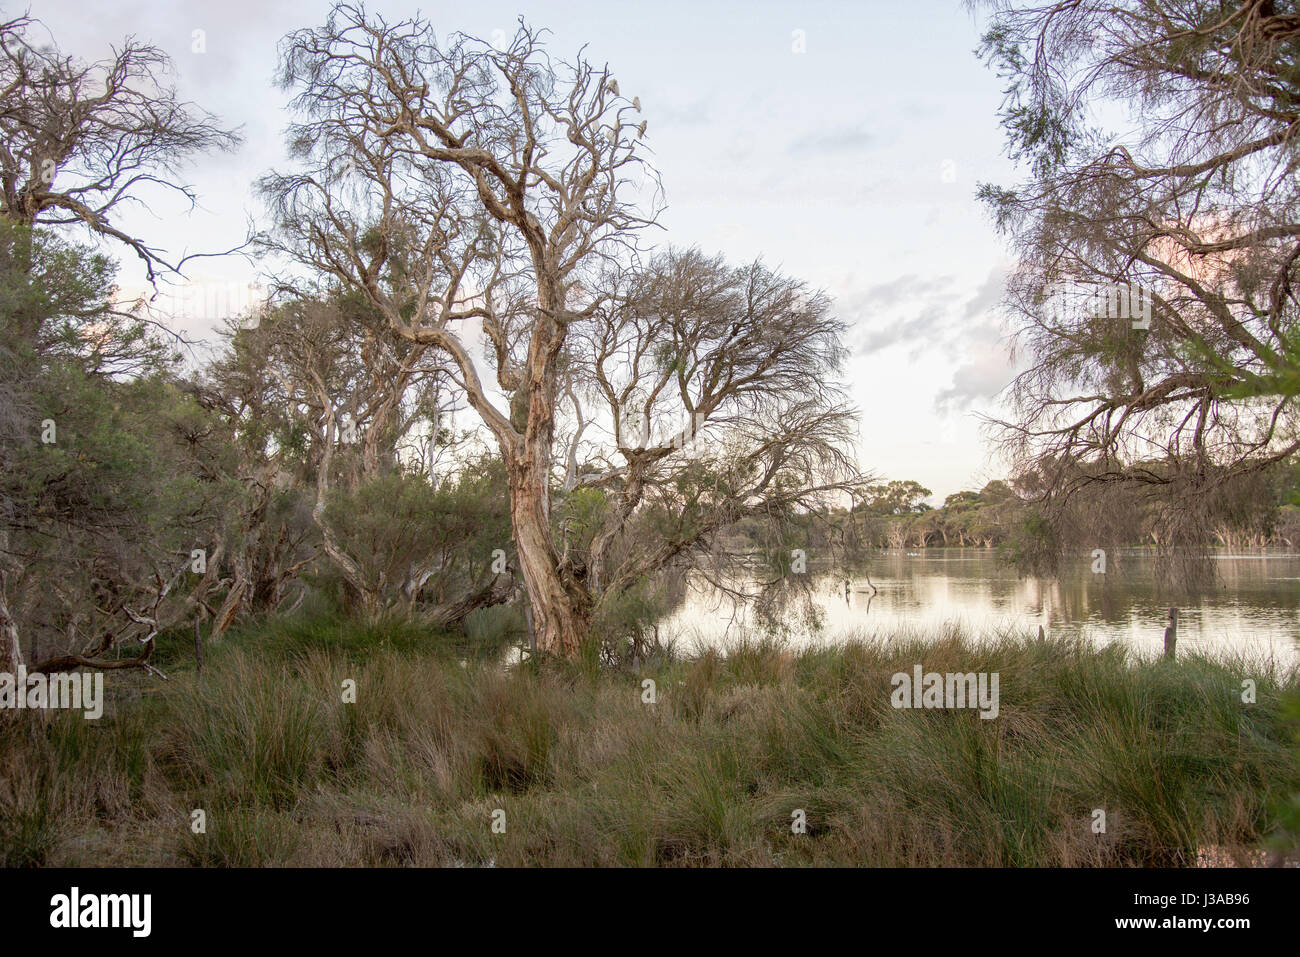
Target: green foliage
x,y
579,515
1286,837
895,514
1034,543
1039,130
249,735
399,521
897,498
625,619
110,472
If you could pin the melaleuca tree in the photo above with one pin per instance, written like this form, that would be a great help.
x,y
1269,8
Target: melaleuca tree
x,y
349,423
707,395
425,549
1160,142
468,190
113,476
84,140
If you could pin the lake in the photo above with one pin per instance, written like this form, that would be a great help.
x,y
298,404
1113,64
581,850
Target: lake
x,y
1253,608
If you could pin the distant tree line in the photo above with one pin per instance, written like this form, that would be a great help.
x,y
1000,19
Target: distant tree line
x,y
1011,515
1012,519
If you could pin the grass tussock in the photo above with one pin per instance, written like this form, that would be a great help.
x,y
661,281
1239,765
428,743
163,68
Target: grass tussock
x,y
447,760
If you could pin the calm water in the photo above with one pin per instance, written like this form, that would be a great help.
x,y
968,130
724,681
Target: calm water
x,y
1253,608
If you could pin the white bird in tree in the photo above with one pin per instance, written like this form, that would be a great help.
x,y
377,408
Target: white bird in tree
x,y
636,103
613,135
612,86
640,130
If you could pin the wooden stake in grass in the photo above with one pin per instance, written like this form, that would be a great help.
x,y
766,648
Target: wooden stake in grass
x,y
1171,635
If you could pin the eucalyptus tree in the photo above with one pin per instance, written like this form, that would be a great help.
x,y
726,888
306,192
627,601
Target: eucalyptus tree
x,y
1187,221
471,193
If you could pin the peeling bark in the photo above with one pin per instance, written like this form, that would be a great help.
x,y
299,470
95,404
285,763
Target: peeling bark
x,y
11,652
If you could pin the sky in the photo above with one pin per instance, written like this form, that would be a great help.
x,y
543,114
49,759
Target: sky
x,y
842,142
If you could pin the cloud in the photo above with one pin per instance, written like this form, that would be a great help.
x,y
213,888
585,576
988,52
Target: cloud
x,y
835,140
671,112
939,317
988,367
982,377
931,317
921,330
908,310
990,293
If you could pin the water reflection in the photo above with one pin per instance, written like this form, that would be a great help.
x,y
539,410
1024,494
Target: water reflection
x,y
1254,608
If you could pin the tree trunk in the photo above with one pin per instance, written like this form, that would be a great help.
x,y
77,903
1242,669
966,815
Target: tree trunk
x,y
369,594
561,607
11,652
496,592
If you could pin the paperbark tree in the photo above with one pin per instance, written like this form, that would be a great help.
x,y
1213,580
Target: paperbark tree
x,y
346,387
1189,383
79,141
705,395
457,186
340,396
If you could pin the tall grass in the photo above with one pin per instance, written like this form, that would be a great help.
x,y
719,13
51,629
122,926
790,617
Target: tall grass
x,y
580,770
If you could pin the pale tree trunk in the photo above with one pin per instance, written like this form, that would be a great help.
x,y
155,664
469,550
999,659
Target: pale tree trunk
x,y
11,652
897,535
561,607
495,592
369,594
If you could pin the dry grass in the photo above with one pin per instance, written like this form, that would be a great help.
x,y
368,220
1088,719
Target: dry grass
x,y
585,773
